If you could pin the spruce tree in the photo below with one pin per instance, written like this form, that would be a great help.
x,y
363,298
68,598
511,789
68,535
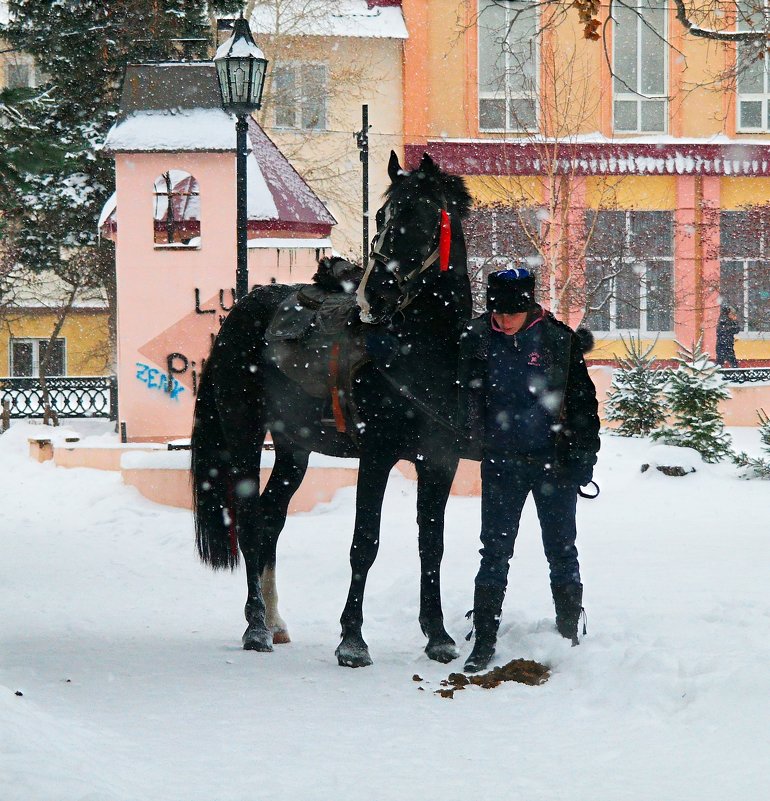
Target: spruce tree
x,y
692,394
757,467
635,393
25,150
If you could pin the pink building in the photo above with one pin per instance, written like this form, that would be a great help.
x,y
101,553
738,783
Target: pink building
x,y
173,221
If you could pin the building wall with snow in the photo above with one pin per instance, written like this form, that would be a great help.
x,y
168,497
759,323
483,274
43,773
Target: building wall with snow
x,y
173,219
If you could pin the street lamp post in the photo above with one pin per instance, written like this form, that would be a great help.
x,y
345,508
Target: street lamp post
x,y
241,67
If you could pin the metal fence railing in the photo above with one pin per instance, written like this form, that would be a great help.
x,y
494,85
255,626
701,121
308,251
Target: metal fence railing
x,y
70,396
745,375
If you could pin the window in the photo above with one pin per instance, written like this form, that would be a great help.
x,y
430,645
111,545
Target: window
x,y
508,63
630,271
300,96
27,356
18,76
176,216
640,54
498,237
752,80
744,281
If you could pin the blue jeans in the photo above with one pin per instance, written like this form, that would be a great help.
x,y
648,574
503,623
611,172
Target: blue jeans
x,y
505,484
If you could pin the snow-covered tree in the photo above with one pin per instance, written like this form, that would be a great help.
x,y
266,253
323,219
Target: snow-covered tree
x,y
52,210
635,399
692,395
23,149
757,467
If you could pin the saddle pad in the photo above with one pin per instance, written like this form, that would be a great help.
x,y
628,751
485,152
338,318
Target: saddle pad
x,y
291,321
300,341
309,313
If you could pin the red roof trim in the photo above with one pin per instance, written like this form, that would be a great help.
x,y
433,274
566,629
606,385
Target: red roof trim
x,y
317,229
601,158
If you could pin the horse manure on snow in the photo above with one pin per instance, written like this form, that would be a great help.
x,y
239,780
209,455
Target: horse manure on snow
x,y
524,671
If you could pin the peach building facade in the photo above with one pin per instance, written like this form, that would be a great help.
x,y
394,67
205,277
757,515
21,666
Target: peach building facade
x,y
638,187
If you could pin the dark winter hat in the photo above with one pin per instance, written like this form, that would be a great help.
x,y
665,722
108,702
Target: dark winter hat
x,y
511,291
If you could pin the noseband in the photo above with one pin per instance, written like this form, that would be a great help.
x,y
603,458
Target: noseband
x,y
405,283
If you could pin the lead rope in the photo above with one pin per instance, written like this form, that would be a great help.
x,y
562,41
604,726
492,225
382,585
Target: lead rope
x,y
469,616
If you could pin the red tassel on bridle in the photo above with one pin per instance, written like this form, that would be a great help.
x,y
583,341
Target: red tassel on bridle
x,y
444,242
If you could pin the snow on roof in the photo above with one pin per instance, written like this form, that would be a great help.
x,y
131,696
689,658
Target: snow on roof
x,y
260,204
294,200
46,290
275,191
240,48
174,130
4,13
109,207
345,18
169,107
598,138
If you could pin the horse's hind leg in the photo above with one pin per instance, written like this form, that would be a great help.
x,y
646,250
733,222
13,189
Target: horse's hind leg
x,y
288,472
246,502
434,481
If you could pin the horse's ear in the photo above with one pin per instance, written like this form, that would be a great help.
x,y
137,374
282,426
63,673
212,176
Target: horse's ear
x,y
394,168
427,164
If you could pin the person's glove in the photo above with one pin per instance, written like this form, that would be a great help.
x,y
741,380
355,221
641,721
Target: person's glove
x,y
579,471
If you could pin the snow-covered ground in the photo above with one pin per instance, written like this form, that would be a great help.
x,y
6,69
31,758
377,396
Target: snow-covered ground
x,y
134,686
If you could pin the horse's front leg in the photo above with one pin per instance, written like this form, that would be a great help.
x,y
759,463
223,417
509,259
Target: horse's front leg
x,y
373,474
287,474
434,481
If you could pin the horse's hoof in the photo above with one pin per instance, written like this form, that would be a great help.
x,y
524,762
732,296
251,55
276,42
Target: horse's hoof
x,y
280,635
353,655
257,640
442,651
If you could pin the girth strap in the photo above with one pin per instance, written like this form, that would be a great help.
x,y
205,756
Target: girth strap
x,y
335,389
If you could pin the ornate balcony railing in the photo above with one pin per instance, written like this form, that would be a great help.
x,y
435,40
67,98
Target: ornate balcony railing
x,y
70,396
745,375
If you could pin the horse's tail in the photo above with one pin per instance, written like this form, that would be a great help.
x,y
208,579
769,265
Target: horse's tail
x,y
213,509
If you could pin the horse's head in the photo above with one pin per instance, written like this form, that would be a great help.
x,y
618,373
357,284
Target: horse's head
x,y
412,246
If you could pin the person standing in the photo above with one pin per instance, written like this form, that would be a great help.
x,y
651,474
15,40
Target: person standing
x,y
528,398
727,327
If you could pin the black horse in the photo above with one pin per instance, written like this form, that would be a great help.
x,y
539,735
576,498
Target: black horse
x,y
413,298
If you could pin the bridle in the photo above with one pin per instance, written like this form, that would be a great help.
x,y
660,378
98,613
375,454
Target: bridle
x,y
406,283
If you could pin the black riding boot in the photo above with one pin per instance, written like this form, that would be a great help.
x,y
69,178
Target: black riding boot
x,y
487,606
568,600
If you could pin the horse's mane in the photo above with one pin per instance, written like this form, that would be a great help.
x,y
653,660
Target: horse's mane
x,y
428,179
335,274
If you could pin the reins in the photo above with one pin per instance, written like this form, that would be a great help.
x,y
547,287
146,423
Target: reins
x,y
405,283
458,432
420,404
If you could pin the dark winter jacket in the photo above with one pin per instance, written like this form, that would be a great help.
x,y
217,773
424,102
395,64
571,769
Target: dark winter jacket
x,y
565,394
726,331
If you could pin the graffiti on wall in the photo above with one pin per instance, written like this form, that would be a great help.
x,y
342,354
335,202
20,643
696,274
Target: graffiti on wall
x,y
182,348
153,378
